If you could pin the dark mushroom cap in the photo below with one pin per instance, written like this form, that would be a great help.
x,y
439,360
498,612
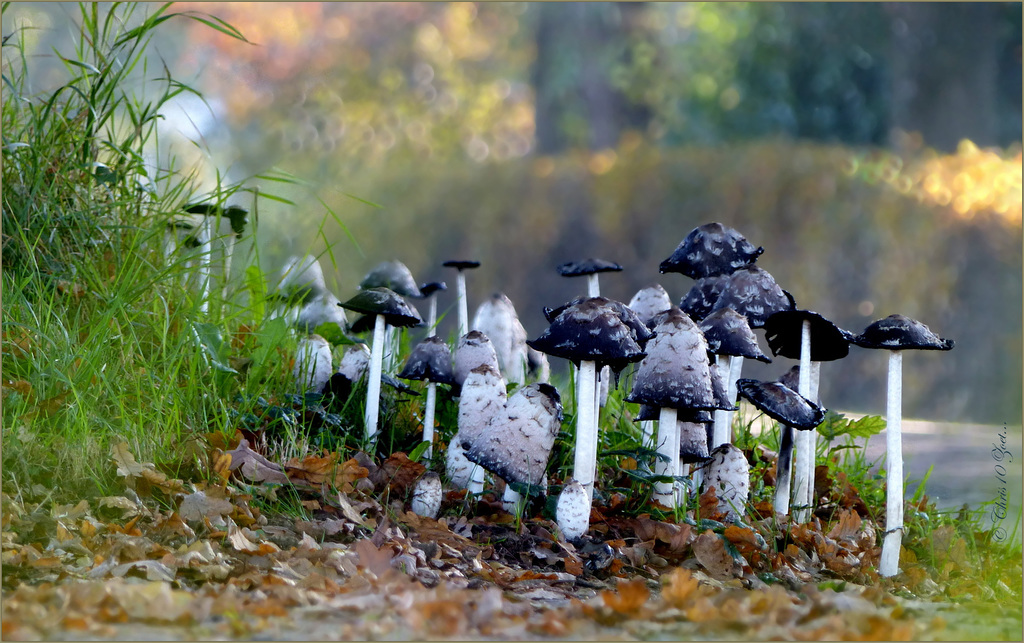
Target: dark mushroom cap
x,y
590,331
784,330
649,301
782,403
236,215
728,333
641,331
676,372
791,378
753,293
898,332
384,301
431,287
587,267
648,412
711,249
398,385
693,442
430,360
461,264
393,275
701,298
718,387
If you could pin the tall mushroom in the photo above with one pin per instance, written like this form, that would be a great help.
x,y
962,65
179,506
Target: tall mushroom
x,y
729,337
792,410
482,399
590,334
236,216
702,296
675,374
461,265
386,307
711,249
896,333
430,361
646,303
496,317
429,291
474,350
300,282
393,275
813,339
589,268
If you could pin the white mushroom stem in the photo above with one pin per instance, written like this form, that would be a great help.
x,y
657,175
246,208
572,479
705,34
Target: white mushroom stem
x,y
889,565
373,384
647,430
476,481
229,250
684,470
668,446
593,287
205,261
585,465
432,317
812,439
783,470
428,419
512,501
463,304
803,462
731,368
390,358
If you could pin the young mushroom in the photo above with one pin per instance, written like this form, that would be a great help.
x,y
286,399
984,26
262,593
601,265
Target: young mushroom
x,y
728,473
462,265
430,361
313,364
703,295
896,333
482,399
572,511
387,307
427,495
497,319
791,410
649,301
813,339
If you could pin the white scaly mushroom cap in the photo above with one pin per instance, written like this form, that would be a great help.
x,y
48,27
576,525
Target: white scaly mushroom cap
x,y
426,496
483,397
313,364
324,309
729,473
458,468
572,512
649,301
302,273
475,349
497,319
355,362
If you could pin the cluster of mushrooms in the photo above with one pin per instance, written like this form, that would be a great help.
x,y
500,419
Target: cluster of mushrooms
x,y
687,365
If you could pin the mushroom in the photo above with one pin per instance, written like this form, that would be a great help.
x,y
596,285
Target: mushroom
x,y
430,290
701,298
387,307
809,337
537,365
649,301
497,319
427,495
729,337
353,366
729,474
313,365
474,349
323,309
675,374
236,216
430,361
482,399
590,268
461,265
711,249
896,333
515,445
572,511
395,276
589,334
792,410
300,282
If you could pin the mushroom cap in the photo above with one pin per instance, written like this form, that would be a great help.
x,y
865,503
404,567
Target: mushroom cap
x,y
537,364
431,287
393,275
718,387
752,292
693,442
711,249
313,364
728,333
784,331
496,317
322,309
355,362
649,301
474,349
898,332
782,403
427,495
430,360
587,267
516,445
729,473
236,215
384,301
640,329
701,298
676,372
572,511
301,279
461,264
590,331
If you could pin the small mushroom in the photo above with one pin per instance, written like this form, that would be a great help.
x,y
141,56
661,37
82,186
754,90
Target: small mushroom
x,y
729,474
537,365
388,308
711,249
474,349
430,361
809,337
649,301
792,410
313,365
395,276
461,266
482,400
427,495
429,291
352,368
236,216
896,333
572,511
323,309
497,319
589,268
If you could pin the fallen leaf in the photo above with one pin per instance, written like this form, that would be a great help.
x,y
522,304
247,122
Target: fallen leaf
x,y
398,472
713,556
847,526
255,467
679,587
373,559
196,505
627,598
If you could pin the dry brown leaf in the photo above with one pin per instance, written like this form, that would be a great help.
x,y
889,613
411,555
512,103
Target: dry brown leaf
x,y
196,505
680,587
744,539
628,597
255,467
21,387
713,556
847,526
398,473
373,559
709,505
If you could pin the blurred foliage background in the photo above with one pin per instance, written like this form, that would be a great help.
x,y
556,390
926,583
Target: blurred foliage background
x,y
874,150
